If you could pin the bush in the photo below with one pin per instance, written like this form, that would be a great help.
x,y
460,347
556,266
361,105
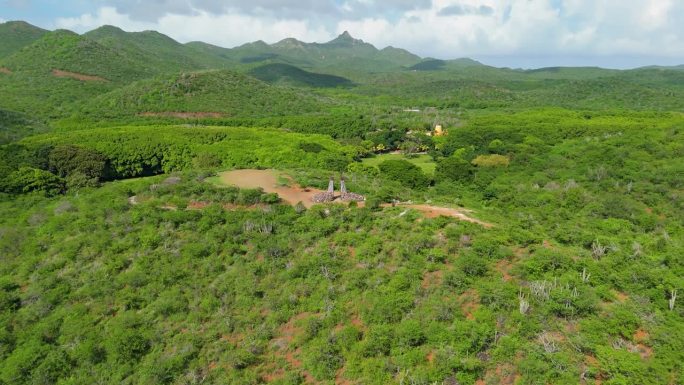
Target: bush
x,y
453,168
66,160
205,161
410,334
311,147
28,179
491,161
404,172
128,345
378,340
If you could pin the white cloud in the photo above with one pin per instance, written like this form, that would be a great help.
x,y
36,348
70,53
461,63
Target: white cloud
x,y
226,30
475,28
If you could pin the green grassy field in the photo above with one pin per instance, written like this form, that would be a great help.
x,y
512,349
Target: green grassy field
x,y
424,161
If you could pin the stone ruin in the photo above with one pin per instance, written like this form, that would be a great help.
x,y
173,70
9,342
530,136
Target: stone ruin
x,y
346,196
329,196
326,196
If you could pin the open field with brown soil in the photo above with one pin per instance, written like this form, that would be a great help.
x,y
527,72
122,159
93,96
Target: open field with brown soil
x,y
268,181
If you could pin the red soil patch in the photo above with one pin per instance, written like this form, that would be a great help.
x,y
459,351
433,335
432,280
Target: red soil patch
x,y
436,212
5,70
274,376
645,352
287,333
504,267
649,210
356,321
289,330
503,374
77,76
592,362
641,335
339,377
430,357
232,338
182,115
432,279
197,205
470,302
212,365
621,297
519,251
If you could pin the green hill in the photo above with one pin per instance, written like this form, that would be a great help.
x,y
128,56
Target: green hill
x,y
14,126
207,94
341,53
68,51
429,65
157,50
291,75
61,69
15,35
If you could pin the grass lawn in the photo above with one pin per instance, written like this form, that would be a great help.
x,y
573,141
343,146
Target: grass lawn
x,y
424,161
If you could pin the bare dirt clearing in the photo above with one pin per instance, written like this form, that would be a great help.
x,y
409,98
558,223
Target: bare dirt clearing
x,y
268,181
5,70
77,76
182,115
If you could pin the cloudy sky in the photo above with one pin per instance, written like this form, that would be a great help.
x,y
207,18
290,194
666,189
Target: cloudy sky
x,y
512,33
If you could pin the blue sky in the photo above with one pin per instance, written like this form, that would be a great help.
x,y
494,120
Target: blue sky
x,y
511,33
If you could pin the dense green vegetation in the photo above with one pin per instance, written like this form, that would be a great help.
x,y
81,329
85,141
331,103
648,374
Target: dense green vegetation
x,y
16,35
288,74
123,261
225,93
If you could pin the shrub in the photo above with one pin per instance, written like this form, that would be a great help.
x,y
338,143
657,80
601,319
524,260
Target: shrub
x,y
128,345
206,161
491,161
311,147
378,340
410,333
66,159
404,172
28,179
453,168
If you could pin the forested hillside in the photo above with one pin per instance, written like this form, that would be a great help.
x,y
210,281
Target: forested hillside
x,y
499,226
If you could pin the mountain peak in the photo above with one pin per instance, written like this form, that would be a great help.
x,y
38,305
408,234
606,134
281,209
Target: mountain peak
x,y
289,43
346,39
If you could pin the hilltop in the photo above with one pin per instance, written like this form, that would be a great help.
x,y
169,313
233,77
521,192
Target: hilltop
x,y
207,94
16,35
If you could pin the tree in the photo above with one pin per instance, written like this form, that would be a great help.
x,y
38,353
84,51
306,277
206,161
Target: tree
x,y
28,179
453,168
66,160
404,172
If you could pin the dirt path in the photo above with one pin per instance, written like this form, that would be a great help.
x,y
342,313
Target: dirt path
x,y
77,76
436,211
268,181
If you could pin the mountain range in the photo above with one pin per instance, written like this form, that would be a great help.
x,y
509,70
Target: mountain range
x,y
54,74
